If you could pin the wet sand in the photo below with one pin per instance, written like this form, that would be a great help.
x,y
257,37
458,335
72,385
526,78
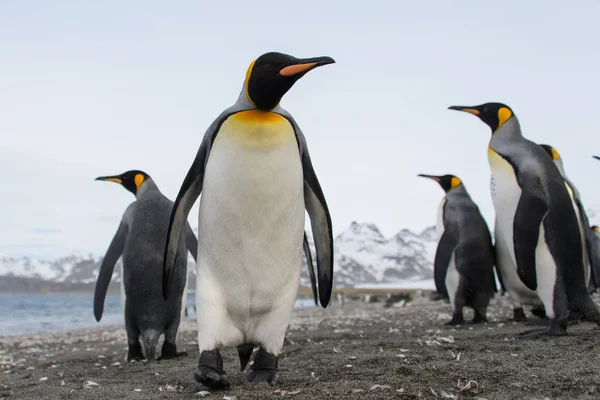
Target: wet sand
x,y
358,351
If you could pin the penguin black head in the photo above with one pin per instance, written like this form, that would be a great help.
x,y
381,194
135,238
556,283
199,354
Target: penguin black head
x,y
552,152
447,182
271,75
131,180
493,114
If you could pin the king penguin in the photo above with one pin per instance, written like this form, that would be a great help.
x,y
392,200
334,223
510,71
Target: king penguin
x,y
584,223
256,177
537,219
464,260
140,239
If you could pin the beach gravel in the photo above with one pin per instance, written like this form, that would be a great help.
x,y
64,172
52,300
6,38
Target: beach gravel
x,y
354,351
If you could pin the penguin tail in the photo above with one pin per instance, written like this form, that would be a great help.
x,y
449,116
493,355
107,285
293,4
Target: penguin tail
x,y
586,306
149,341
244,352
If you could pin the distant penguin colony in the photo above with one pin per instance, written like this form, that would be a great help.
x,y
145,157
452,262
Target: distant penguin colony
x,y
254,172
140,239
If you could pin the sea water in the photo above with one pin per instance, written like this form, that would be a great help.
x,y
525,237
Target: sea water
x,y
22,314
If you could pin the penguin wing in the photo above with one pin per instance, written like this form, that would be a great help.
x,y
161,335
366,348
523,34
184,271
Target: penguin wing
x,y
311,269
531,210
115,249
320,220
443,254
191,242
188,193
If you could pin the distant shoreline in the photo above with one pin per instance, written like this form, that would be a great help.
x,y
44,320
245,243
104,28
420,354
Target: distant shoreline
x,y
82,292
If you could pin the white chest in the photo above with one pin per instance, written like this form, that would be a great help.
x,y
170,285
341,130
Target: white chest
x,y
252,205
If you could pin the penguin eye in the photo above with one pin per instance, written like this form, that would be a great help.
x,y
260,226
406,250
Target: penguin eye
x,y
268,67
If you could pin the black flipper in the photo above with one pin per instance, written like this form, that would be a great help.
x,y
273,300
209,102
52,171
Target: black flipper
x,y
443,255
318,212
188,193
311,269
107,267
530,213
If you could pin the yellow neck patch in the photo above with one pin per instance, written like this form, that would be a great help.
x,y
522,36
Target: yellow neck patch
x,y
139,179
248,73
257,116
503,115
555,155
257,129
595,228
454,182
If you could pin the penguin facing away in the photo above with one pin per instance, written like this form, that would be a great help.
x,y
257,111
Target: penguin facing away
x,y
464,259
140,239
537,219
256,177
584,223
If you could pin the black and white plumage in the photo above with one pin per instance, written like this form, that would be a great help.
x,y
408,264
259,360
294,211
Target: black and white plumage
x,y
254,171
537,220
140,240
464,259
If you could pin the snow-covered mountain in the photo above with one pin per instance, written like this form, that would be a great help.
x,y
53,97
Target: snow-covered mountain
x,y
362,256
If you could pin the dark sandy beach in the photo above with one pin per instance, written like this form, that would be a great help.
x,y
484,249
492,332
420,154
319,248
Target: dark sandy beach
x,y
358,351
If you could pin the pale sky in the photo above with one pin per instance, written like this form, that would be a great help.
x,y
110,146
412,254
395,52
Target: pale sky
x,y
97,89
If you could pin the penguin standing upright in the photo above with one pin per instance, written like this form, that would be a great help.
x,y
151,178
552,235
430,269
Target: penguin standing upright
x,y
140,239
537,219
256,177
464,259
584,223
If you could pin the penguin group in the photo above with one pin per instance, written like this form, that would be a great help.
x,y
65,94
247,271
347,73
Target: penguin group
x,y
254,172
545,253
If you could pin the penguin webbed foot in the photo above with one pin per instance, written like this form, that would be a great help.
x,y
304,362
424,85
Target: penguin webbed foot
x,y
555,328
210,371
169,351
457,319
575,317
519,315
480,317
134,352
539,312
264,368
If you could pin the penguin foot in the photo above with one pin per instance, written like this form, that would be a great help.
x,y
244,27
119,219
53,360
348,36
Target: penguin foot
x,y
457,319
210,370
519,315
539,312
555,329
264,368
479,319
574,317
169,351
134,352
